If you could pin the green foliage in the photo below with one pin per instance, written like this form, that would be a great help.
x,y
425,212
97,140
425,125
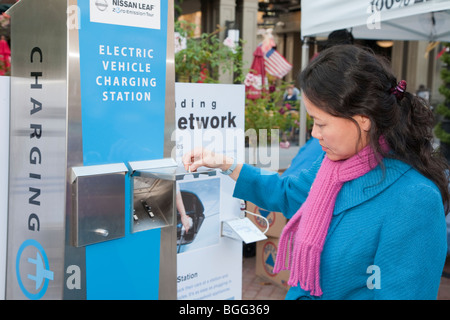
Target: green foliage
x,y
206,57
270,112
443,109
442,134
5,70
444,89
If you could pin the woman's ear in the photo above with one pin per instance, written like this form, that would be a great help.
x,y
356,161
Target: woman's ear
x,y
364,122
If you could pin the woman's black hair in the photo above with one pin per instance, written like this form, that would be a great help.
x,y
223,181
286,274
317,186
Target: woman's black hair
x,y
348,80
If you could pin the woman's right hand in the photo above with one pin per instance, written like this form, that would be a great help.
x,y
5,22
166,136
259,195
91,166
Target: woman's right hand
x,y
199,157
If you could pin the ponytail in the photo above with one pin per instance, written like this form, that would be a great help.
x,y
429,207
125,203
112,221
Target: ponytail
x,y
411,141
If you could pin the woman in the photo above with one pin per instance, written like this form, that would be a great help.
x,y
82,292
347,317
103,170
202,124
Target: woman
x,y
371,223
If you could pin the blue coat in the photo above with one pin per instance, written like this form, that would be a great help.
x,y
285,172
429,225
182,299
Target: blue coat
x,y
387,237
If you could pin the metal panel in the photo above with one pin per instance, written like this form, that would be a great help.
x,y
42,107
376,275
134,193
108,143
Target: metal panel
x,y
152,203
74,257
168,256
154,189
40,211
98,203
36,227
169,126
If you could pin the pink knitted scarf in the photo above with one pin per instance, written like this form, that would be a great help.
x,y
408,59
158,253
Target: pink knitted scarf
x,y
304,235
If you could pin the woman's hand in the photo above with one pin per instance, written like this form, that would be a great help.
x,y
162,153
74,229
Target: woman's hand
x,y
186,222
200,157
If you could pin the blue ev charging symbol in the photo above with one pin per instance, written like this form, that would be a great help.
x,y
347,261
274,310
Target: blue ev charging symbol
x,y
37,270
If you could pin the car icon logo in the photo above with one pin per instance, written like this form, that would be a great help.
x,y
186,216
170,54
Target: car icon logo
x,y
33,269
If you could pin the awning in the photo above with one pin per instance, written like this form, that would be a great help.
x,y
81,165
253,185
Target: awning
x,y
384,19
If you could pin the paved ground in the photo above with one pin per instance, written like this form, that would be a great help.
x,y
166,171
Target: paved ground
x,y
257,288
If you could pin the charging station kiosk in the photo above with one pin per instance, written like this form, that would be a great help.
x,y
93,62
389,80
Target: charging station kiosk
x,y
92,112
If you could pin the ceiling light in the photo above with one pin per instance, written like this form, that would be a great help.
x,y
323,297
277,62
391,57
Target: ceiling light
x,y
385,43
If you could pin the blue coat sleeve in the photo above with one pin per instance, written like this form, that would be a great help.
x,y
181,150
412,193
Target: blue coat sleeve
x,y
412,246
272,192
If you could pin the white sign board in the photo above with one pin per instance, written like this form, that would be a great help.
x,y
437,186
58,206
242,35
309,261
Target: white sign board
x,y
211,115
134,13
242,229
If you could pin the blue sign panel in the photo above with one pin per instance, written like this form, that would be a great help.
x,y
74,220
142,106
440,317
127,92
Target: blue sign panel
x,y
122,83
123,76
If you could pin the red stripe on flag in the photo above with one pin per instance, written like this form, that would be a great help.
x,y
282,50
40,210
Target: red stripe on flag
x,y
276,64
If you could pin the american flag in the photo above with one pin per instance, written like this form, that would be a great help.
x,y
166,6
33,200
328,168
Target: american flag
x,y
276,64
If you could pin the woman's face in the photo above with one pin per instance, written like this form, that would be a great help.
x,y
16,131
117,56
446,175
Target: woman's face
x,y
339,137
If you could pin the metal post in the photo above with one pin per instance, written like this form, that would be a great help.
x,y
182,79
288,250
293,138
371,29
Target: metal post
x,y
302,125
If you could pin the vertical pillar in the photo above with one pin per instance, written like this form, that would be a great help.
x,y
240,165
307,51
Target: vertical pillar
x,y
249,27
436,80
37,171
305,56
226,12
289,54
397,58
417,72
